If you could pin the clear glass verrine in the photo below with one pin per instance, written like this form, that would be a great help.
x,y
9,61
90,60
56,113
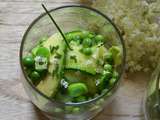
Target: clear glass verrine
x,y
70,18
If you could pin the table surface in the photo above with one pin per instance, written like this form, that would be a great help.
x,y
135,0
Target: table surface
x,y
15,16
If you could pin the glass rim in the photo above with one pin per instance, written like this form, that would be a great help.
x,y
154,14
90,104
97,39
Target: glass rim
x,y
79,103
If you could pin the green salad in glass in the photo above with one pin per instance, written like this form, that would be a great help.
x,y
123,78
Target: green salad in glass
x,y
74,75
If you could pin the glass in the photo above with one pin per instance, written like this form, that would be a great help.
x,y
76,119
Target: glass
x,y
70,18
152,99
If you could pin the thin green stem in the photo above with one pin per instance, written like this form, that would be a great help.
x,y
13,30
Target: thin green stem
x,y
57,26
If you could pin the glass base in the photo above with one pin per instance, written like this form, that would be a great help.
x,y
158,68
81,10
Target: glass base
x,y
86,116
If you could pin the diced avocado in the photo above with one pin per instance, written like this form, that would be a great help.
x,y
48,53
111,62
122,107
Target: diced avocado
x,y
84,62
49,85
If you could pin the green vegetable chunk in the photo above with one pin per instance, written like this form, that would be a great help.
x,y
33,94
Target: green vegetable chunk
x,y
74,36
103,82
87,51
116,53
107,74
99,38
109,58
69,37
85,62
28,61
87,42
112,81
108,67
90,36
49,85
73,75
85,34
43,51
35,77
77,89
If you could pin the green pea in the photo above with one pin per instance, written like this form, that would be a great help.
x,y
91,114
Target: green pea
x,y
109,57
100,85
43,51
76,110
28,61
77,89
90,36
112,81
35,77
108,67
87,51
103,81
87,42
85,34
69,37
76,37
99,38
115,74
80,99
107,73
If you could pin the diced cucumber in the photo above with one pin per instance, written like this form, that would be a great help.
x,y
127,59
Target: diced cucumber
x,y
54,61
83,62
49,85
